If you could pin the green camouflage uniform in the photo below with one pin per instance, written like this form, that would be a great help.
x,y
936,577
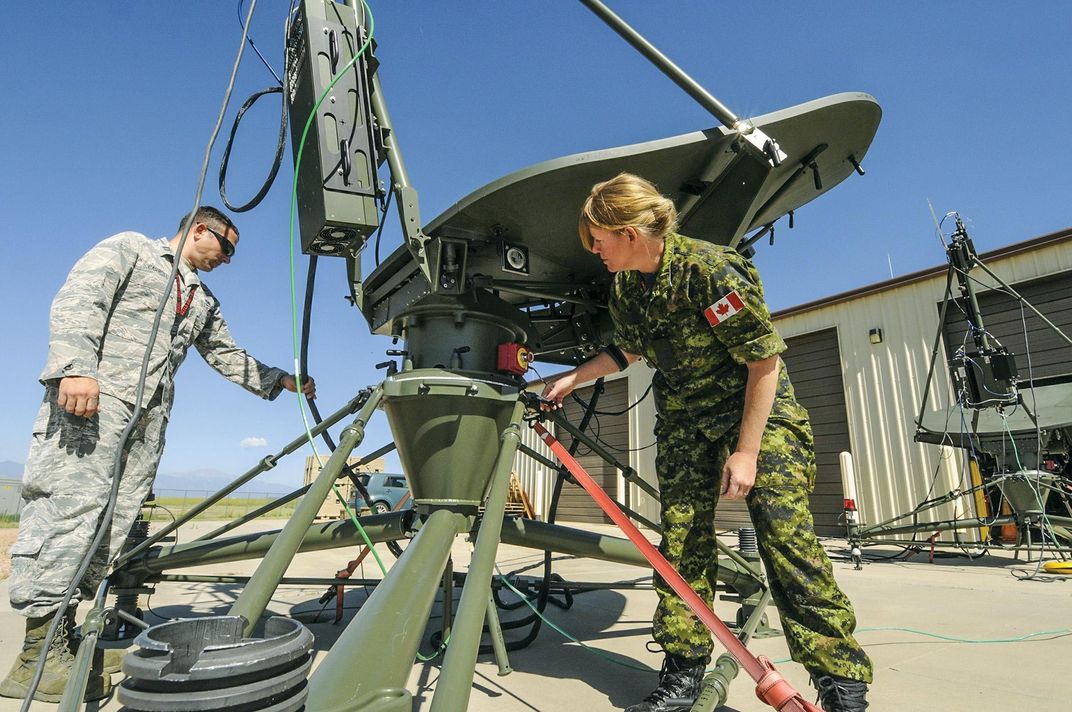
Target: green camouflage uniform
x,y
99,327
699,389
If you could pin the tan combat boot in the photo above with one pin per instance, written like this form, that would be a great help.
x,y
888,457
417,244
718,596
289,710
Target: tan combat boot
x,y
58,664
108,659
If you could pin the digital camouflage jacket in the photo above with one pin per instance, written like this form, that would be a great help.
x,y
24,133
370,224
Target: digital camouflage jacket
x,y
101,318
701,321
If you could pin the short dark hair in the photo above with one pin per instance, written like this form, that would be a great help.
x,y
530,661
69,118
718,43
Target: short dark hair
x,y
213,217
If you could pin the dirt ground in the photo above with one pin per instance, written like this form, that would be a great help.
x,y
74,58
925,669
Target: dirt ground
x,y
7,538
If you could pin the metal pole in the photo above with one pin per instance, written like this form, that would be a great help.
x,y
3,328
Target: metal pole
x,y
628,472
664,65
369,664
456,681
80,670
285,581
937,345
1017,296
448,600
941,526
266,464
565,540
285,498
498,645
255,596
274,504
409,210
399,176
318,537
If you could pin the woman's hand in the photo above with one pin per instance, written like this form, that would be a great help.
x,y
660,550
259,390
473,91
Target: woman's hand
x,y
558,389
738,475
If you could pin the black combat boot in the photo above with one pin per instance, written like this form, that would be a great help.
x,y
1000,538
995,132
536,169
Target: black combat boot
x,y
679,684
840,694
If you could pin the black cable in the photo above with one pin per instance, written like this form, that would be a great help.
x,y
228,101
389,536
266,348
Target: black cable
x,y
637,402
383,221
104,521
596,435
238,10
303,364
276,162
544,593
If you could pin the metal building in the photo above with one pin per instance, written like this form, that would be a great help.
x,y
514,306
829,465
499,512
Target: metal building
x,y
858,361
10,497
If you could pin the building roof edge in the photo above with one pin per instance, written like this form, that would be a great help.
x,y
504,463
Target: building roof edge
x,y
1034,243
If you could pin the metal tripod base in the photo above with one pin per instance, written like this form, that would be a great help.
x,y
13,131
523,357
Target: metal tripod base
x,y
368,667
207,664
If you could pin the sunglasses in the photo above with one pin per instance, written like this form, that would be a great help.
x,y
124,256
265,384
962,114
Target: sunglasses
x,y
226,245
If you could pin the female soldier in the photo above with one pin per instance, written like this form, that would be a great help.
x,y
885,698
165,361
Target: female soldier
x,y
728,424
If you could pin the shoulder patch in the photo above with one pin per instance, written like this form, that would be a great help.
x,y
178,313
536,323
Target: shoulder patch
x,y
723,309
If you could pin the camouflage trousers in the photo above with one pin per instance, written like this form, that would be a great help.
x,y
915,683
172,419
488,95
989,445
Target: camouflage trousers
x,y
66,485
816,616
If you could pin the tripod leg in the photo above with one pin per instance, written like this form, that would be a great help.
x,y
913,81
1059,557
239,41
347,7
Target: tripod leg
x,y
497,643
369,664
456,681
937,345
255,596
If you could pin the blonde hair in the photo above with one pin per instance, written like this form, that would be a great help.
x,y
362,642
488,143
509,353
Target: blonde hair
x,y
627,200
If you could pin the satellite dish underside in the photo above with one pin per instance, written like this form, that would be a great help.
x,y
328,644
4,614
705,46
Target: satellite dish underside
x,y
521,230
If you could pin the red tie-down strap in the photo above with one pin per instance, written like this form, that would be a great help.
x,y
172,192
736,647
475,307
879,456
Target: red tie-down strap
x,y
771,687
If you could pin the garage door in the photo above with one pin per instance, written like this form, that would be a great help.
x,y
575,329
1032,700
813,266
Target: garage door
x,y
814,363
613,432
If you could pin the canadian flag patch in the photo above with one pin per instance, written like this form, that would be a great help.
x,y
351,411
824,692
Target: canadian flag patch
x,y
724,308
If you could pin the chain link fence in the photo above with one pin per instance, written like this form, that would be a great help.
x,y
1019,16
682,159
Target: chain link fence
x,y
175,502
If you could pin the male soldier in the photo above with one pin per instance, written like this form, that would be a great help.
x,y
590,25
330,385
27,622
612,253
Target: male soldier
x,y
728,424
99,328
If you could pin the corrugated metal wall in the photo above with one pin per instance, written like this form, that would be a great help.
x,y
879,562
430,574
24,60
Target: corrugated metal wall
x,y
884,384
631,431
10,496
1043,353
609,426
536,479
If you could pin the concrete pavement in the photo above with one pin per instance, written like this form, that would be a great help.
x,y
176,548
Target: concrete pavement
x,y
953,597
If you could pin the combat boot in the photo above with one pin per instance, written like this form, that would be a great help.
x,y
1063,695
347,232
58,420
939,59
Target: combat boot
x,y
58,665
107,659
679,684
840,694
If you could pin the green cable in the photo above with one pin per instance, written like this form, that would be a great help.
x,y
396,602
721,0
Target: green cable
x,y
600,653
293,287
436,654
595,651
952,639
969,641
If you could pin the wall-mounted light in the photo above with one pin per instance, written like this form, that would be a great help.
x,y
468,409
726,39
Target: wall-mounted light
x,y
875,336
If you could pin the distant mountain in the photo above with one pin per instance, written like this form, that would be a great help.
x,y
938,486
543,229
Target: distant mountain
x,y
205,479
208,479
11,469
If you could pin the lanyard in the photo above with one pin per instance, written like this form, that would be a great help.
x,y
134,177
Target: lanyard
x,y
182,307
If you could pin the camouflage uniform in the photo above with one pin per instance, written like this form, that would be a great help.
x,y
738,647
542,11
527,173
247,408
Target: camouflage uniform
x,y
99,327
700,381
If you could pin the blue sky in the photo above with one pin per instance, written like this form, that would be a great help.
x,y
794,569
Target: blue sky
x,y
108,108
